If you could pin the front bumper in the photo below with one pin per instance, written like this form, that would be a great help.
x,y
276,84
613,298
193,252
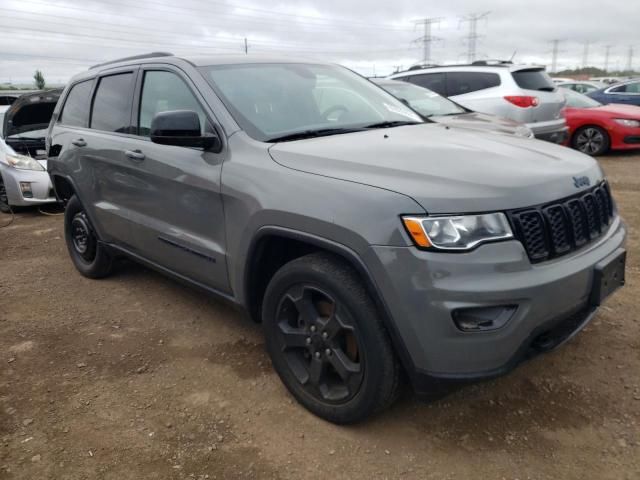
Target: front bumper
x,y
421,289
41,188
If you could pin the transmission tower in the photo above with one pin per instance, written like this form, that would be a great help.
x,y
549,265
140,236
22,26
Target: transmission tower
x,y
607,55
585,54
554,54
472,37
427,38
630,59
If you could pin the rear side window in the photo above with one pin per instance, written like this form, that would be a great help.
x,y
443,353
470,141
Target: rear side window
x,y
75,111
459,83
433,81
628,88
112,103
165,91
535,79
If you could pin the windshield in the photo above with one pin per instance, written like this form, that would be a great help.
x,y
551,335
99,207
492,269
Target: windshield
x,y
422,100
578,100
273,101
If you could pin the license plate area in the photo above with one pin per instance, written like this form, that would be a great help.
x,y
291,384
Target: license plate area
x,y
608,276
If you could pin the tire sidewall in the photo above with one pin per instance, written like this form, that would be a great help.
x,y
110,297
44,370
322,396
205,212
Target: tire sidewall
x,y
360,314
605,146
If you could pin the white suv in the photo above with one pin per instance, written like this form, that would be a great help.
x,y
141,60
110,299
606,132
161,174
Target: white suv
x,y
523,93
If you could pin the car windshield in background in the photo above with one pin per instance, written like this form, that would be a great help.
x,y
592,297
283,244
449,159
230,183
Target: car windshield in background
x,y
289,101
534,79
422,100
578,100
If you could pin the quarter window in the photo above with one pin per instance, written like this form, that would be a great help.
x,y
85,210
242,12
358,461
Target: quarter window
x,y
112,103
162,92
76,108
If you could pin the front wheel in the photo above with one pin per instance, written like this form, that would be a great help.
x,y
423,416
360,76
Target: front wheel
x,y
89,256
591,140
327,341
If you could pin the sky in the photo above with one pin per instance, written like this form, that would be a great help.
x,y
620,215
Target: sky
x,y
373,37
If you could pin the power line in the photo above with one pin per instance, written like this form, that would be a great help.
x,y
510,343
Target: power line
x,y
472,37
427,39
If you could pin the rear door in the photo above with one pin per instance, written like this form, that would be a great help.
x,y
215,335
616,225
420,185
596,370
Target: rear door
x,y
177,209
536,83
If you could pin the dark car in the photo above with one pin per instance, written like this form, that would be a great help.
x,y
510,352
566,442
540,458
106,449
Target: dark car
x,y
437,108
627,93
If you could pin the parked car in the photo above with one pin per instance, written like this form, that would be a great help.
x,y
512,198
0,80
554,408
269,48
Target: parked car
x,y
608,80
368,242
24,181
25,122
439,109
626,92
582,87
521,93
561,79
595,128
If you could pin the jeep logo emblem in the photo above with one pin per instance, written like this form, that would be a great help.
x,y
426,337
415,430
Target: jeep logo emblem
x,y
581,181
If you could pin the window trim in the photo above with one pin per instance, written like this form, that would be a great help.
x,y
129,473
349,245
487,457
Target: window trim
x,y
134,69
66,99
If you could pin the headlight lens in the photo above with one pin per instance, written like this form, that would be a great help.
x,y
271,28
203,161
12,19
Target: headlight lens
x,y
22,162
524,131
628,122
458,232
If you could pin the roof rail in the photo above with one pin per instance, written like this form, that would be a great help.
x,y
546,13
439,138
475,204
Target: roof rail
x,y
134,57
492,61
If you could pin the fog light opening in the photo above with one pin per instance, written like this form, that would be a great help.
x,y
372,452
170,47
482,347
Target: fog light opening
x,y
483,319
25,189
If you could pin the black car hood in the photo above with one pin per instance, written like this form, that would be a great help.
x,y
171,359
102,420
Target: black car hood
x,y
32,111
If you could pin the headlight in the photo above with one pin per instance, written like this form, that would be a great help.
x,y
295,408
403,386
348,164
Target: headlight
x,y
627,122
22,162
524,131
458,232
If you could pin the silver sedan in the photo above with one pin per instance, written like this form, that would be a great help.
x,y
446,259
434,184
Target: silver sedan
x,y
23,180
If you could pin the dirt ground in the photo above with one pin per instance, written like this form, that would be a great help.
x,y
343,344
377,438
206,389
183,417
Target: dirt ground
x,y
138,377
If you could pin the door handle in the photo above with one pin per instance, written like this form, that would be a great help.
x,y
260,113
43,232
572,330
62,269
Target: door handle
x,y
79,142
136,155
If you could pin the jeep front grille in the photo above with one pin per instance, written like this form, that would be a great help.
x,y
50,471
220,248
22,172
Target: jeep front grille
x,y
561,227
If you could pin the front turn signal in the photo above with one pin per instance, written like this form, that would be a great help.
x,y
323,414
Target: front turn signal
x,y
414,227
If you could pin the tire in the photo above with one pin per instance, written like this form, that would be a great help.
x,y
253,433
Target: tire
x,y
351,372
89,256
4,200
591,140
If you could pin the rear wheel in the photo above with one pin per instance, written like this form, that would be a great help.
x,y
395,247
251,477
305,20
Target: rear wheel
x,y
89,256
326,340
591,140
4,198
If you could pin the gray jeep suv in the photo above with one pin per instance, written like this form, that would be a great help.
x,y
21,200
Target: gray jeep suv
x,y
372,246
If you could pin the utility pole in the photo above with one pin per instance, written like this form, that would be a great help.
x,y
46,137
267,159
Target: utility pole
x,y
427,39
585,54
246,46
472,37
607,54
630,59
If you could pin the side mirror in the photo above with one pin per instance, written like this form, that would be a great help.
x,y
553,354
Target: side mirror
x,y
182,129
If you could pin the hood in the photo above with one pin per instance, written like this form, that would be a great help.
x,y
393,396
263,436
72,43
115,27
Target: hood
x,y
483,122
32,111
446,170
625,111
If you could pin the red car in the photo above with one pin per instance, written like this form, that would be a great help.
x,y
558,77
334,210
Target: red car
x,y
595,128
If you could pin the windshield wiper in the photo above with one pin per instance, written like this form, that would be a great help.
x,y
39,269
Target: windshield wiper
x,y
389,124
322,132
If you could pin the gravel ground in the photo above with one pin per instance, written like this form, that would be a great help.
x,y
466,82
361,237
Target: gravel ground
x,y
138,377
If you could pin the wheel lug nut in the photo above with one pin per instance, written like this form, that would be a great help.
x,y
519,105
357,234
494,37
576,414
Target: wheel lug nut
x,y
308,340
313,328
317,354
325,335
328,352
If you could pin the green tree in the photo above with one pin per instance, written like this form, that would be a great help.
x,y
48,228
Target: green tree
x,y
38,77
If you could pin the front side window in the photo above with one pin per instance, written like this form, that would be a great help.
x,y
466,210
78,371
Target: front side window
x,y
271,101
459,83
165,91
75,111
112,103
